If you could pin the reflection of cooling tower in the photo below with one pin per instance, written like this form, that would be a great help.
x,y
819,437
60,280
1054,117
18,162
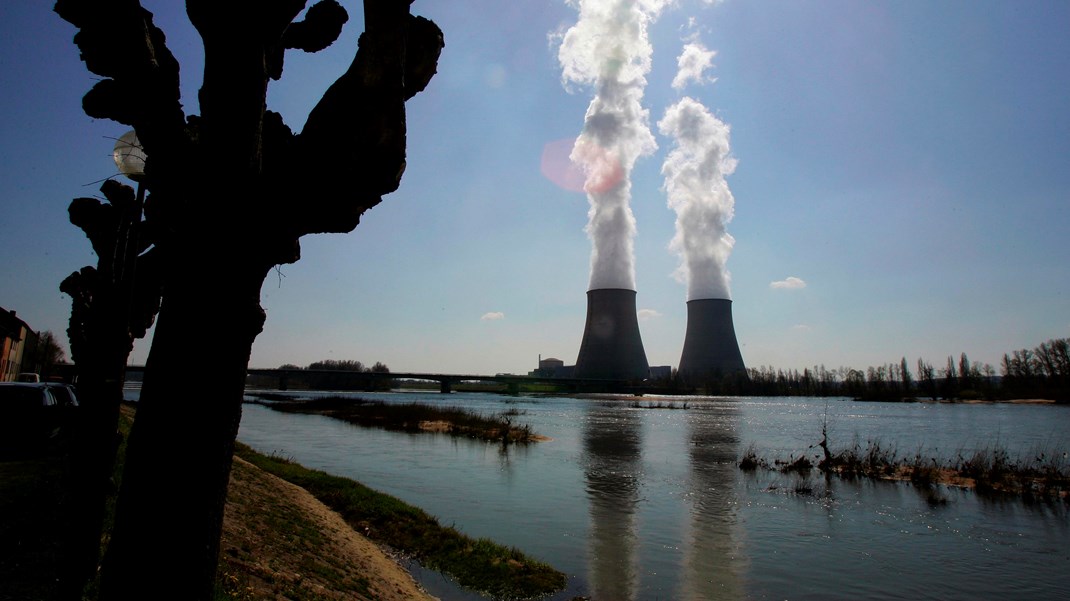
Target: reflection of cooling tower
x,y
613,470
710,347
612,348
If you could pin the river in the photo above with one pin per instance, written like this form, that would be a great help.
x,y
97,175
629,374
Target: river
x,y
646,503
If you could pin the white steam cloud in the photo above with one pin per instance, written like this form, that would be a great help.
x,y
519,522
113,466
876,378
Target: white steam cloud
x,y
493,316
789,283
695,173
691,64
609,50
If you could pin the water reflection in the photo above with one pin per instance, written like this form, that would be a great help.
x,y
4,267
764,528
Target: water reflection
x,y
714,557
612,444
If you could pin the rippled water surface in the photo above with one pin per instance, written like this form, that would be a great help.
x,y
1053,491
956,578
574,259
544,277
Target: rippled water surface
x,y
638,503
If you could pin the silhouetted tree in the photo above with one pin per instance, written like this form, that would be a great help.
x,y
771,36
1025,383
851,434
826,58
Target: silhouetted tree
x,y
110,308
927,378
949,387
42,353
908,381
219,234
1043,371
854,382
965,373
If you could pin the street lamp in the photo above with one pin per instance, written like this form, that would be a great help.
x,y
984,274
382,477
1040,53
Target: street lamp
x,y
129,156
130,159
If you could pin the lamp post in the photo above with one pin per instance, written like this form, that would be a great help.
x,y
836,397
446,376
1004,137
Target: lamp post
x,y
102,322
130,159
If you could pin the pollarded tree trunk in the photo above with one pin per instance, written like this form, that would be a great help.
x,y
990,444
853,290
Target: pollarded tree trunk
x,y
219,235
166,537
110,308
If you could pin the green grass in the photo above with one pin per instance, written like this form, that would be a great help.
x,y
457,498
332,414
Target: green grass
x,y
477,564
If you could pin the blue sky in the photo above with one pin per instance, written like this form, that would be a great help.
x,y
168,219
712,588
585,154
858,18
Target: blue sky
x,y
907,162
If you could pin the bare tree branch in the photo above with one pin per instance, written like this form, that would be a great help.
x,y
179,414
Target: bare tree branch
x,y
119,41
319,29
353,144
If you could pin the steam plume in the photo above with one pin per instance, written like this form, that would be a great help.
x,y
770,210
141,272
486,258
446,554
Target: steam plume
x,y
608,49
695,173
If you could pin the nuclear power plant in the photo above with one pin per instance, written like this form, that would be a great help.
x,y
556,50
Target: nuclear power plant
x,y
612,348
710,346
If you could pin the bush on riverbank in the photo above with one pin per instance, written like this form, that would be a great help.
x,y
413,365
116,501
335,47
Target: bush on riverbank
x,y
1039,476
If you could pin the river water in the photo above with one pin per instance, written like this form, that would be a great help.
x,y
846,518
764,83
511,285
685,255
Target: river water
x,y
647,504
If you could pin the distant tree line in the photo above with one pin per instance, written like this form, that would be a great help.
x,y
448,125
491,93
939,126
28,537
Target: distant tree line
x,y
1043,372
340,381
342,365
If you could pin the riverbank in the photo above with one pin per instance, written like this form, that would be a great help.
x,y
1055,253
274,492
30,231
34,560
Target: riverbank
x,y
279,540
476,564
1010,401
966,401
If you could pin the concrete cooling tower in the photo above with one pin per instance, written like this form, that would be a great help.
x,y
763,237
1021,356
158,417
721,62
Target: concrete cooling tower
x,y
710,347
612,348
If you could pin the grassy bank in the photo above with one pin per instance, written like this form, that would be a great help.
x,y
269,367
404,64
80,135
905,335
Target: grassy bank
x,y
415,417
477,564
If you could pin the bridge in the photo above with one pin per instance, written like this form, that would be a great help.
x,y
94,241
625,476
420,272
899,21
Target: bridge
x,y
328,379
364,380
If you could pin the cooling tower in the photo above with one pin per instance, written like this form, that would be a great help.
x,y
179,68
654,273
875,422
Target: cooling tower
x,y
612,348
710,347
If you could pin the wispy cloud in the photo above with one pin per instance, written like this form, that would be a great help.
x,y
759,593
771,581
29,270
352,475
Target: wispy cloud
x,y
691,64
790,283
645,314
801,327
493,316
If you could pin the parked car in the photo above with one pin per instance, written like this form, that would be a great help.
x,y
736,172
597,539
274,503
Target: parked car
x,y
30,416
65,394
67,399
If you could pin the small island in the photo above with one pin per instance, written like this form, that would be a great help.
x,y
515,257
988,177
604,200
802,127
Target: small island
x,y
411,417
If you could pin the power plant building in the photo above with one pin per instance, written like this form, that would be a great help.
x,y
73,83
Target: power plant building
x,y
552,368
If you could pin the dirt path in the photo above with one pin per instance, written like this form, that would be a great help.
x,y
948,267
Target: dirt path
x,y
279,542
